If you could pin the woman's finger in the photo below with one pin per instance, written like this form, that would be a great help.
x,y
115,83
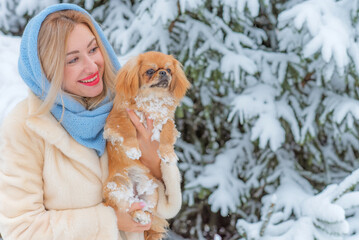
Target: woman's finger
x,y
136,121
149,124
137,206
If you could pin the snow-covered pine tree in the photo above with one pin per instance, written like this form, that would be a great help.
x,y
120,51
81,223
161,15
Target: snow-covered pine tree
x,y
323,93
269,142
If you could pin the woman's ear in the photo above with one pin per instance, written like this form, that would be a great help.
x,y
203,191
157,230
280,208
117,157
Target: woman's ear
x,y
179,84
128,80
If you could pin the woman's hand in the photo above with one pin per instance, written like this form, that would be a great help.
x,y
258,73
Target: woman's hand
x,y
149,148
127,224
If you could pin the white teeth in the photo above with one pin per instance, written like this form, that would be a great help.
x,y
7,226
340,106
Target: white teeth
x,y
90,80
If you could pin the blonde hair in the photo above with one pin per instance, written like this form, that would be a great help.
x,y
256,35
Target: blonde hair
x,y
52,42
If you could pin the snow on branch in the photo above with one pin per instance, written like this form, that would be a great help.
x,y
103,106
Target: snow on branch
x,y
226,188
321,216
342,108
258,104
325,27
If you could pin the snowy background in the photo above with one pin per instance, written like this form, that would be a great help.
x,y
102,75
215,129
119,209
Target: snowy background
x,y
12,88
269,144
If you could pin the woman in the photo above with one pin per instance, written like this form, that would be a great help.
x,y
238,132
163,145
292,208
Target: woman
x,y
53,160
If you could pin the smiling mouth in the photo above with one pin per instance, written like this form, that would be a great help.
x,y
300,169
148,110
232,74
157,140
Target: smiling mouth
x,y
90,80
160,84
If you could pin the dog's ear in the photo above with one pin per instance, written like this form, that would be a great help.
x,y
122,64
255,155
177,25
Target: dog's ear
x,y
128,79
179,84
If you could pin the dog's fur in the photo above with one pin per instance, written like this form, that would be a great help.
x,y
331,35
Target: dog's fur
x,y
152,84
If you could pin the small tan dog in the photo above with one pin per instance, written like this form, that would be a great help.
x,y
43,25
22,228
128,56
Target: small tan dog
x,y
151,84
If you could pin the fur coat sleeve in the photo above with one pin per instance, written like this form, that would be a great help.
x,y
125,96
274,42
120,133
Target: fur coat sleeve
x,y
45,194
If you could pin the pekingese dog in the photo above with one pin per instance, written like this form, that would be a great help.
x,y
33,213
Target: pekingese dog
x,y
152,84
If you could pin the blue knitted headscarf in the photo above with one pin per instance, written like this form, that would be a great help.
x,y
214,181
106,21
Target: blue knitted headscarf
x,y
85,126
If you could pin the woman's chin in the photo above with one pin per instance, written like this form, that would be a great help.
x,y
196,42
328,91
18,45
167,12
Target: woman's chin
x,y
94,94
93,91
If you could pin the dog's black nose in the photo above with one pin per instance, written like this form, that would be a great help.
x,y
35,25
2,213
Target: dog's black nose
x,y
163,73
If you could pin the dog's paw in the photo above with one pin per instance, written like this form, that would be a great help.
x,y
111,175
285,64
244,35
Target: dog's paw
x,y
133,153
168,156
141,217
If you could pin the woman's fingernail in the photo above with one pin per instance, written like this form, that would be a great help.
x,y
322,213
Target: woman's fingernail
x,y
142,204
127,109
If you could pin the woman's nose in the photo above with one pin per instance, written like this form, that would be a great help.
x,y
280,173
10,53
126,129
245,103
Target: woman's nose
x,y
90,65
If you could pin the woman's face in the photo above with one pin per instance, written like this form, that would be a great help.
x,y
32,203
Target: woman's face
x,y
84,64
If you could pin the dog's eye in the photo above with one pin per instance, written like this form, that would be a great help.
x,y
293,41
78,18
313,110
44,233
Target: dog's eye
x,y
150,72
168,70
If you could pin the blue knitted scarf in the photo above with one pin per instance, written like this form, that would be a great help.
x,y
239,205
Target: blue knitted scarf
x,y
85,126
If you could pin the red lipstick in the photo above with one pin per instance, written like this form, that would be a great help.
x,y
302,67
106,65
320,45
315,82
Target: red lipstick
x,y
91,80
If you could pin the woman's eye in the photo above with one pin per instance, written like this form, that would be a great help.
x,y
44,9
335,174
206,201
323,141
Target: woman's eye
x,y
73,60
150,72
93,49
168,70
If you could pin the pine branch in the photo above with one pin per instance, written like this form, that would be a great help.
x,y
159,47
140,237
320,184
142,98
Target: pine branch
x,y
172,24
268,216
242,232
324,229
346,185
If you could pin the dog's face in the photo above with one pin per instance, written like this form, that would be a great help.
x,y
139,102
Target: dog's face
x,y
156,73
152,70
